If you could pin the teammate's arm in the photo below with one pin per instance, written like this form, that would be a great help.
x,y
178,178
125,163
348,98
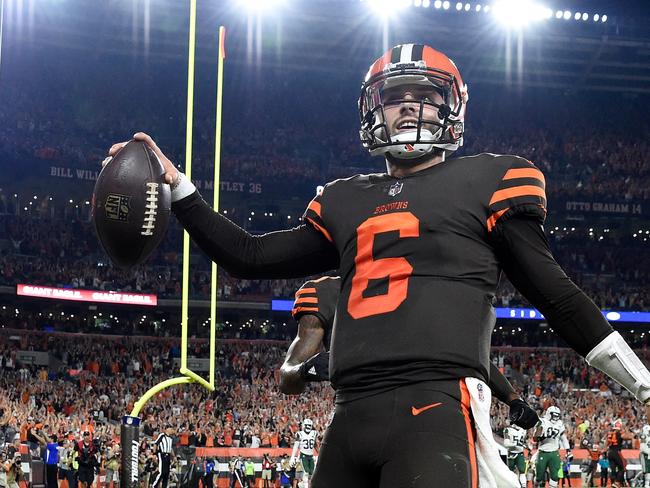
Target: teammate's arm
x,y
526,258
306,345
293,253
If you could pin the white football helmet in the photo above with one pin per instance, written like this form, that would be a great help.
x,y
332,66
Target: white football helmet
x,y
307,425
553,413
646,430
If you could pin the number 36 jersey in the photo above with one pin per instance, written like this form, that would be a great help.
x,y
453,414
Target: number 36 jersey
x,y
418,269
307,441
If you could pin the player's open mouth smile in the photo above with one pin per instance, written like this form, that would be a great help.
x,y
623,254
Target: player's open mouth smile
x,y
407,124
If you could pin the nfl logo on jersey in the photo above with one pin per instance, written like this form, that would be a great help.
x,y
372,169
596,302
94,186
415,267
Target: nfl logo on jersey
x,y
395,188
479,387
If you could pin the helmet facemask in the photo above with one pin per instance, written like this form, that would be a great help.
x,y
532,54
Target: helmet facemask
x,y
553,414
433,92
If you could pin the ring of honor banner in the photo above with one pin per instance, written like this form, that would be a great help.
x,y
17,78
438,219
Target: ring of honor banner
x,y
130,440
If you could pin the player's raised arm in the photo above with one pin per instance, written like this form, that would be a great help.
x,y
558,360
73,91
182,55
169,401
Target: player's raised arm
x,y
297,252
520,413
526,258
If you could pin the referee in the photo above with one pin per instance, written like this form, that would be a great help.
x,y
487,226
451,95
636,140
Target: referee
x,y
163,446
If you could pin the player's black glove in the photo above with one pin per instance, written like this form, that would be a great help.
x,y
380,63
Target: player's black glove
x,y
316,368
522,414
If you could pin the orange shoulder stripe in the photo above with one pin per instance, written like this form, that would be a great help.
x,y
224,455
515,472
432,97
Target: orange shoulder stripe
x,y
307,300
517,191
492,221
315,206
511,174
320,228
304,309
302,291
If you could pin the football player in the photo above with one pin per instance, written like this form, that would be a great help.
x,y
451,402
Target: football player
x,y
420,249
644,449
305,444
591,468
614,454
514,438
550,435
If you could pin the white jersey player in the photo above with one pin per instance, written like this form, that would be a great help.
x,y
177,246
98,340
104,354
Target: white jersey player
x,y
644,449
551,436
514,439
305,444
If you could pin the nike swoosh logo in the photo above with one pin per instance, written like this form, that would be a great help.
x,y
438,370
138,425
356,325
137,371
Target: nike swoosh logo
x,y
418,411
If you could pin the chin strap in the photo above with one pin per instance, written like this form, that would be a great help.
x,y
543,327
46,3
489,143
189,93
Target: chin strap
x,y
614,357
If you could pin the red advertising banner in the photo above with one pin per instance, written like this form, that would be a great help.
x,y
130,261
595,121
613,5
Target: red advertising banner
x,y
86,295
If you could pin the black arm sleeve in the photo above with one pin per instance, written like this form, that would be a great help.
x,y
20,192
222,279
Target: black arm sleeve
x,y
500,386
526,258
301,251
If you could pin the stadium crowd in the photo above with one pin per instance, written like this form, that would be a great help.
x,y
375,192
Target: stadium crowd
x,y
115,371
93,380
596,156
613,268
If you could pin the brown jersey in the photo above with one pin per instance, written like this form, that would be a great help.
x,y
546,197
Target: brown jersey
x,y
615,440
418,269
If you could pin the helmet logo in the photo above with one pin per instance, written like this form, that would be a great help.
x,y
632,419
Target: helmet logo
x,y
409,147
395,188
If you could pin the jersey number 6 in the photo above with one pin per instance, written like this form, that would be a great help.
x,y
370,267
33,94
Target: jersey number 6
x,y
397,270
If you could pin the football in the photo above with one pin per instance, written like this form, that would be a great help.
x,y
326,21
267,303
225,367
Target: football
x,y
131,205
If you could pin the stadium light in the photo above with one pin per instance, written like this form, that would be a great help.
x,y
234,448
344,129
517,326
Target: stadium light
x,y
517,13
567,15
585,16
445,5
467,7
426,3
577,16
417,3
384,8
260,5
437,3
478,7
459,6
559,14
596,17
603,18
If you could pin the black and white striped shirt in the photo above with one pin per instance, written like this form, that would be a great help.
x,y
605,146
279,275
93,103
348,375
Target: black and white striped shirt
x,y
164,443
